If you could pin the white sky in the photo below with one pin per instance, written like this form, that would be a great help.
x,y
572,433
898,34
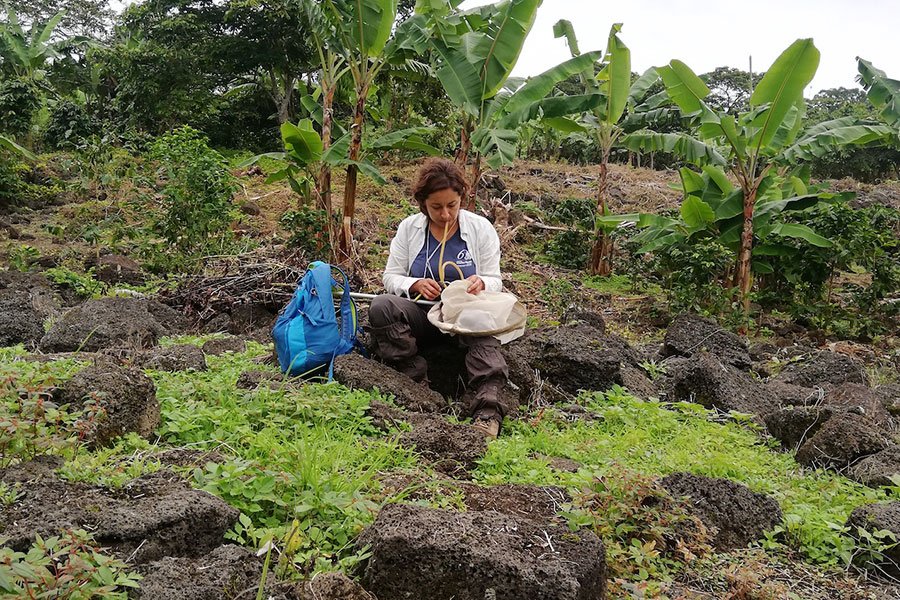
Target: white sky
x,y
706,35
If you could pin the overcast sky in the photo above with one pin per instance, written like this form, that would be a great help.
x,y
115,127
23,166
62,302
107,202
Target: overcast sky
x,y
706,35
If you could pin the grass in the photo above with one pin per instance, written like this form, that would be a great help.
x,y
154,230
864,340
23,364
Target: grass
x,y
304,465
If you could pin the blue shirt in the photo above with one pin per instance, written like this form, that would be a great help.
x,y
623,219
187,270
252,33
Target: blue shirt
x,y
456,251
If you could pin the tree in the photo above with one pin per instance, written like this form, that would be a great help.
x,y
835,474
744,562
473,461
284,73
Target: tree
x,y
730,89
81,17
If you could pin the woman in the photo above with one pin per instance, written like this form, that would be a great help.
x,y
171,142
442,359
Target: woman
x,y
442,230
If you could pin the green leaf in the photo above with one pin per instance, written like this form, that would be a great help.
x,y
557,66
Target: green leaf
x,y
683,145
513,24
618,76
782,86
610,222
7,143
564,125
367,168
369,23
497,145
641,85
685,88
883,93
459,78
719,179
552,107
798,231
664,241
691,182
696,213
302,141
537,88
338,150
825,137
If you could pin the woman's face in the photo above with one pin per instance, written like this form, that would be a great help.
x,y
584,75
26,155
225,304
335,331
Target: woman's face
x,y
443,206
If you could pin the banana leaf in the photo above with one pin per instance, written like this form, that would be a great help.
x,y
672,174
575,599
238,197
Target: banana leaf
x,y
512,27
681,144
883,92
782,87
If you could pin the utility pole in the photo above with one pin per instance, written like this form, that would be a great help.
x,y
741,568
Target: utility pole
x,y
751,74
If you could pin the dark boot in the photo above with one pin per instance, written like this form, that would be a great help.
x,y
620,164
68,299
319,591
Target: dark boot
x,y
487,411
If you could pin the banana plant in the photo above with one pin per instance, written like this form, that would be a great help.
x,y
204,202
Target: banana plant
x,y
473,54
622,104
29,51
8,144
757,143
882,92
712,207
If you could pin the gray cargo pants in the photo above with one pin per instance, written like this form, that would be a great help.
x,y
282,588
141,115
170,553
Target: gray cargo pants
x,y
400,327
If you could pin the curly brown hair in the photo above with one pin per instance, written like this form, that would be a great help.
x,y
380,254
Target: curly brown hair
x,y
438,174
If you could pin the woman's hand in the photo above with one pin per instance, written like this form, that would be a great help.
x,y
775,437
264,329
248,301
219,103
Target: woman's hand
x,y
476,284
427,288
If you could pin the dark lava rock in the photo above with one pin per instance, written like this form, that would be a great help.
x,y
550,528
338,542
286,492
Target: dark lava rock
x,y
636,381
227,572
220,323
153,516
877,517
877,470
251,380
250,208
690,334
126,396
889,394
182,357
187,457
37,469
736,515
357,372
794,425
104,323
823,367
250,317
332,586
535,503
217,346
841,441
861,400
115,268
173,320
26,300
20,322
572,357
442,555
762,351
786,394
453,449
708,382
578,314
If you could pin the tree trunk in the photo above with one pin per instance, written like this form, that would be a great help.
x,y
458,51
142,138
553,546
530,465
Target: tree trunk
x,y
282,95
325,172
346,240
476,178
745,254
465,143
601,253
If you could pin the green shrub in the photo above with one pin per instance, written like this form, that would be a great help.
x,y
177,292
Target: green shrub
x,y
69,123
308,228
688,272
67,566
19,101
570,249
197,190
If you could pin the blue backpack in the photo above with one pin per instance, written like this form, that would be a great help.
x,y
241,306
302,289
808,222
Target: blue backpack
x,y
307,333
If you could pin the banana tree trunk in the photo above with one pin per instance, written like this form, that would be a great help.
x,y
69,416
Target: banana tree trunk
x,y
346,239
744,275
325,172
465,144
473,188
601,253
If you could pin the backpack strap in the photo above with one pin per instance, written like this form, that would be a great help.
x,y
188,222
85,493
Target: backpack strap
x,y
348,318
321,275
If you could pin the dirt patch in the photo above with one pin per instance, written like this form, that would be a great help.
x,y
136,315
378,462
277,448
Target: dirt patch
x,y
732,512
152,517
477,555
332,586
